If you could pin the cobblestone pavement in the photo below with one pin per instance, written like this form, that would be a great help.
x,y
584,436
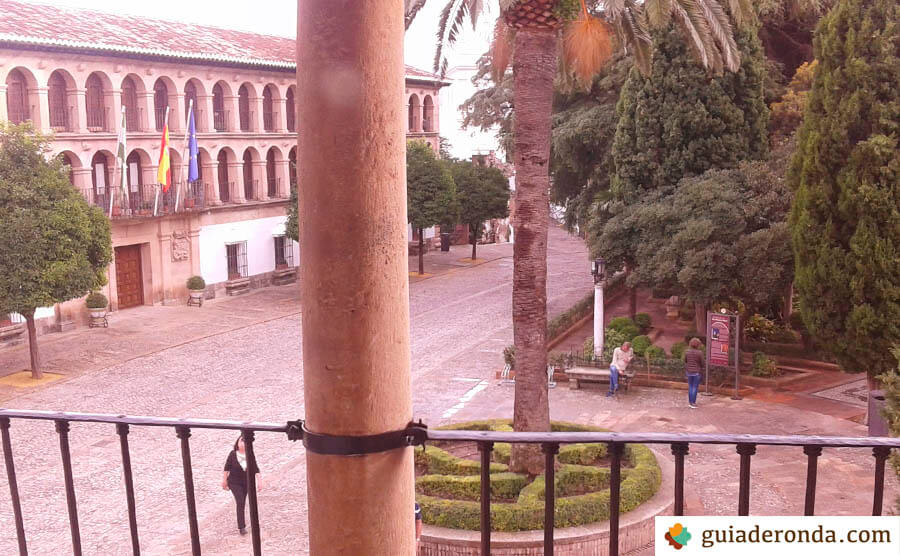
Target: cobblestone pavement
x,y
233,364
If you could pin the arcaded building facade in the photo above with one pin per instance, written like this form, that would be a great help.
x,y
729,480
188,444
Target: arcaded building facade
x,y
73,78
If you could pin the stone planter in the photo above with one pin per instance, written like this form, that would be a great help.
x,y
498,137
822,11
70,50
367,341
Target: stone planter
x,y
196,297
97,313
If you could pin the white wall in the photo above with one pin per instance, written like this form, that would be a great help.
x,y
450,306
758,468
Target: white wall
x,y
260,247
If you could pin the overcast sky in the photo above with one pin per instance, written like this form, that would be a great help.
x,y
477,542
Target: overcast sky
x,y
279,18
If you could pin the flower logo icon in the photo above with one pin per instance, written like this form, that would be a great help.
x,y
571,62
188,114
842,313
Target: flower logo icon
x,y
678,536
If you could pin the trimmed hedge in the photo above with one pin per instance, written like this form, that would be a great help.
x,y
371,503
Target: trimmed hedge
x,y
639,483
640,344
438,462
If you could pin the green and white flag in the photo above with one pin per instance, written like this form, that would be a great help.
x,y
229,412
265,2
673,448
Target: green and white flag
x,y
120,156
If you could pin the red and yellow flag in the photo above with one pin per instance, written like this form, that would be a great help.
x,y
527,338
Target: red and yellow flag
x,y
164,174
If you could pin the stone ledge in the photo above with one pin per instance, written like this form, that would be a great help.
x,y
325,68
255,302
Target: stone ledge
x,y
636,530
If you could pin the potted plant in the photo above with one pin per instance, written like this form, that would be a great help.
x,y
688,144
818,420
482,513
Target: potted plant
x,y
196,286
96,303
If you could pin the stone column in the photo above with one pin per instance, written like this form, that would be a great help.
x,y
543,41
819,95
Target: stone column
x,y
232,114
211,177
3,115
262,181
177,114
279,106
41,111
116,111
204,114
283,177
83,183
80,114
256,114
148,107
354,284
236,176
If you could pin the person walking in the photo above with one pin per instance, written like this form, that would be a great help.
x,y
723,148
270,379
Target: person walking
x,y
622,356
235,480
694,363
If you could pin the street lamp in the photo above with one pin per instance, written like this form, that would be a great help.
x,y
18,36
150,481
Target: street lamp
x,y
598,270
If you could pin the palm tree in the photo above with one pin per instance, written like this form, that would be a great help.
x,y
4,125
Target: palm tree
x,y
590,31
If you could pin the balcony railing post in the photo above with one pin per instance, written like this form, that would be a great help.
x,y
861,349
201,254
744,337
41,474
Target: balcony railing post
x,y
679,450
881,454
550,451
485,448
13,486
251,490
184,433
122,430
616,449
812,468
62,428
745,451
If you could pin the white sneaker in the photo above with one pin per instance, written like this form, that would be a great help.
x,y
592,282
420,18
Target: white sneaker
x,y
693,406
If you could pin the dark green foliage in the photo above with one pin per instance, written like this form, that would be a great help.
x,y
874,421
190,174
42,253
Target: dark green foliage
x,y
53,245
625,326
504,486
891,381
96,300
492,105
845,221
763,366
196,283
292,225
643,321
677,350
483,194
430,191
682,121
640,344
438,462
655,354
581,454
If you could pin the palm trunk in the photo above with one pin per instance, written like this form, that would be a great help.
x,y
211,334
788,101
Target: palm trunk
x,y
36,373
421,251
534,67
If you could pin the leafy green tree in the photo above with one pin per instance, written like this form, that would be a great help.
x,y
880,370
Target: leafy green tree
x,y
483,194
845,221
682,120
891,382
53,245
491,106
292,225
430,192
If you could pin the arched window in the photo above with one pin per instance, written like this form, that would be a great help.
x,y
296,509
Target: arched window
x,y
100,178
17,98
69,162
414,113
292,166
244,107
190,94
271,180
268,109
56,98
160,102
219,114
291,110
428,113
249,185
130,103
135,180
224,184
96,108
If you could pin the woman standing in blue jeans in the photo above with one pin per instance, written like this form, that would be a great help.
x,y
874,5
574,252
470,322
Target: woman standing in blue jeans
x,y
694,363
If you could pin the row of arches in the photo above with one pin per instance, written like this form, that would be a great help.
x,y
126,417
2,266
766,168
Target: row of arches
x,y
225,171
421,117
276,107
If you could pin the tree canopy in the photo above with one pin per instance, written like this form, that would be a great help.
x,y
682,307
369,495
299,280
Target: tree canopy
x,y
53,245
845,221
483,194
430,190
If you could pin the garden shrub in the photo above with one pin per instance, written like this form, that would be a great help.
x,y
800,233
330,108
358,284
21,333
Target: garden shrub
x,y
759,328
677,350
439,462
641,478
581,454
195,283
763,366
656,354
587,349
613,339
96,300
625,326
642,320
640,344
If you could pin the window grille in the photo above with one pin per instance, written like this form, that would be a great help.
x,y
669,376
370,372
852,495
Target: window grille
x,y
237,260
56,97
16,98
220,116
96,109
291,111
244,108
284,252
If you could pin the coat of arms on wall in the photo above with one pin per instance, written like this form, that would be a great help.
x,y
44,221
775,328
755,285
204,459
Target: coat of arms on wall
x,y
181,246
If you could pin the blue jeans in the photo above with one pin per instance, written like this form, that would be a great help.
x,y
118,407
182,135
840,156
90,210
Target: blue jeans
x,y
613,379
693,386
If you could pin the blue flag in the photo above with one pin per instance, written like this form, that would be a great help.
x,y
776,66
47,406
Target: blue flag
x,y
193,170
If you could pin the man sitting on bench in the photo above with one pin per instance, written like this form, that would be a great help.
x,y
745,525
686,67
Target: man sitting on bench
x,y
621,358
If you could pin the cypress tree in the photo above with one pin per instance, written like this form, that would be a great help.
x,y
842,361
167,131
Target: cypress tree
x,y
682,120
845,218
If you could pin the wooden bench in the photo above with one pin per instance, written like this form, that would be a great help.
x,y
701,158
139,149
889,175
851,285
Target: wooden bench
x,y
585,374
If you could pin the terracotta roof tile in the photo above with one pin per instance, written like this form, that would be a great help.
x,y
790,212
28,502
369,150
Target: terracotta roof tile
x,y
40,24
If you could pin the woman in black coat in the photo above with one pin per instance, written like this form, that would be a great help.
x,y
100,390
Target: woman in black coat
x,y
235,480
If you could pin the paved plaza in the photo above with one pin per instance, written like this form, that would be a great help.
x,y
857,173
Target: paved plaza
x,y
239,358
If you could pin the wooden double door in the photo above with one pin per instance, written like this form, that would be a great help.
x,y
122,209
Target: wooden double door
x,y
129,278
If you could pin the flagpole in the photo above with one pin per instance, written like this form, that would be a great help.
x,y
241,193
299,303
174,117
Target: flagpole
x,y
156,201
187,124
118,164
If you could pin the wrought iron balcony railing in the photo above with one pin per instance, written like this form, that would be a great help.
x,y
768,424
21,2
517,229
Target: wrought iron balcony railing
x,y
418,434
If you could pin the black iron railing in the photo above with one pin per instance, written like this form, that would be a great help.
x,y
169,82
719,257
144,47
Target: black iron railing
x,y
418,434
